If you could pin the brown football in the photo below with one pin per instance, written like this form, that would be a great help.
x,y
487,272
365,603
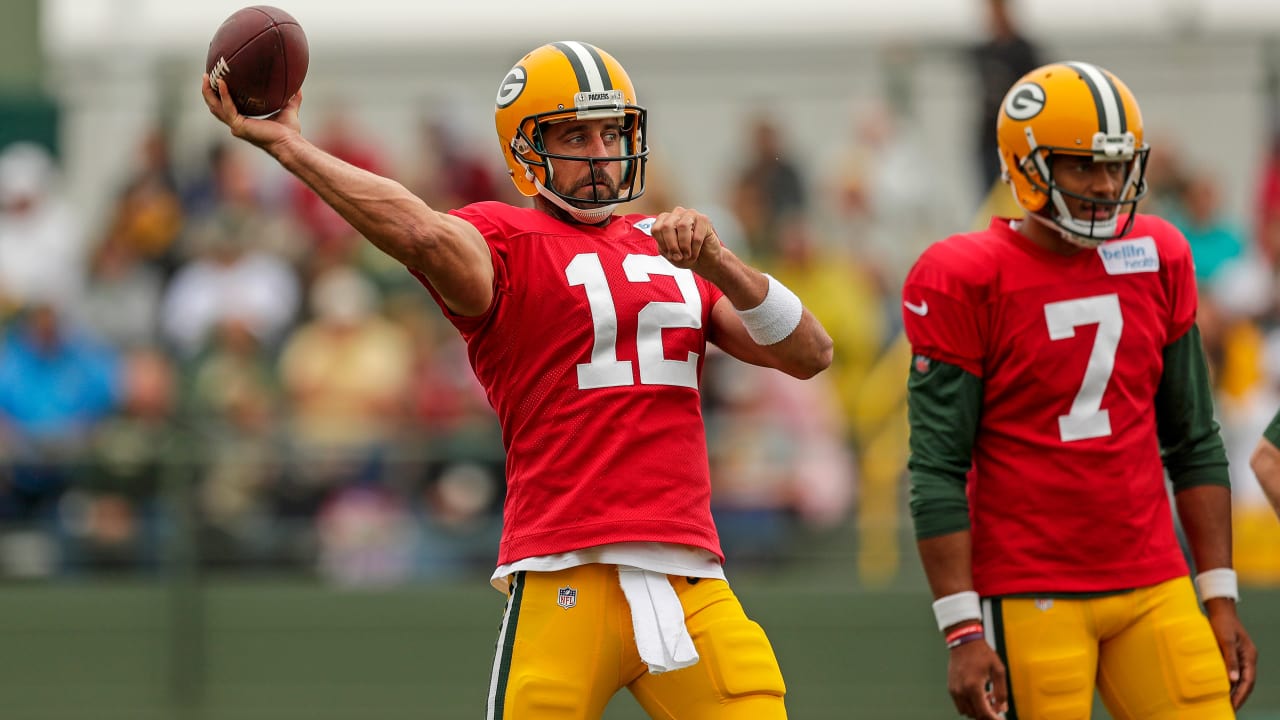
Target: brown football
x,y
261,53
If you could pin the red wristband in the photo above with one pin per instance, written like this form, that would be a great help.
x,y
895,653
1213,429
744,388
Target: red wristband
x,y
967,637
967,629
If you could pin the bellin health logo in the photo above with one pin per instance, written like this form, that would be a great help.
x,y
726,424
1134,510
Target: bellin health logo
x,y
1122,257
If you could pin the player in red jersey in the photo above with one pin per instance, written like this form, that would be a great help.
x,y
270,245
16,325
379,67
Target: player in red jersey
x,y
588,331
1058,373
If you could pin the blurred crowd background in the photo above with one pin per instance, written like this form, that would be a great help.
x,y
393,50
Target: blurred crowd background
x,y
196,353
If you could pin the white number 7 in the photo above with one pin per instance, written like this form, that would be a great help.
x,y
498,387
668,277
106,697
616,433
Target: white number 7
x,y
1087,419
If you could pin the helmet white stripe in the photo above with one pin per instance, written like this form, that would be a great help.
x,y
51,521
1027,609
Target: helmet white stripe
x,y
589,65
1110,109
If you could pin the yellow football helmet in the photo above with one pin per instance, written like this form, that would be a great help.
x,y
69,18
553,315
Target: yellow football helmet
x,y
562,81
1079,109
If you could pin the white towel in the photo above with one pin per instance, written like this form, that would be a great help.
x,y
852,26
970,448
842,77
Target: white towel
x,y
658,620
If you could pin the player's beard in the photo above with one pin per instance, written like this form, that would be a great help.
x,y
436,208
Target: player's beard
x,y
610,195
598,177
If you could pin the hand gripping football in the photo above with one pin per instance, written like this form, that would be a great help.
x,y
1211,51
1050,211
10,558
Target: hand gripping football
x,y
261,53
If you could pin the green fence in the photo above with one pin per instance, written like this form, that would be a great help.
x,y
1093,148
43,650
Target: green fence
x,y
275,650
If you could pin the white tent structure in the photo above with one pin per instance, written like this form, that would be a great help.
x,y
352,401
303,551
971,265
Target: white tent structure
x,y
1198,67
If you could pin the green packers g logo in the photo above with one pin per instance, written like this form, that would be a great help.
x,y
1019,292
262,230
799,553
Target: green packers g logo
x,y
1024,101
511,87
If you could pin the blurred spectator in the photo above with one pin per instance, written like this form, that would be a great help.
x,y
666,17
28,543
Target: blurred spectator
x,y
458,518
1268,210
365,538
232,197
148,216
779,461
999,62
1166,179
43,247
1242,300
846,298
886,210
346,376
56,381
232,401
1214,239
122,296
230,280
1236,302
770,186
448,173
114,511
56,385
202,191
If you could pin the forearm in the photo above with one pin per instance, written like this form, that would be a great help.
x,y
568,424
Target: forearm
x,y
447,250
947,565
1205,512
743,285
803,352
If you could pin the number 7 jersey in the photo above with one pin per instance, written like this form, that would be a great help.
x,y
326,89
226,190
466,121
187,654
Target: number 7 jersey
x,y
591,353
1066,489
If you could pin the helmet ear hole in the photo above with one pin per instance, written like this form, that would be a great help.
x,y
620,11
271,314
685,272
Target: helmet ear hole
x,y
1031,172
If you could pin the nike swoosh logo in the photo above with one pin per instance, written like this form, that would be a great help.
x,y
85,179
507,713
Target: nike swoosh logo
x,y
922,309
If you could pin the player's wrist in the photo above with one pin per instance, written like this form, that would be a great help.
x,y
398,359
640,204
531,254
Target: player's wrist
x,y
956,608
1218,583
963,634
776,317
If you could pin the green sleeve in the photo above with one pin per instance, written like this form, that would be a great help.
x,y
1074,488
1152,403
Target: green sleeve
x,y
1192,445
943,405
1272,433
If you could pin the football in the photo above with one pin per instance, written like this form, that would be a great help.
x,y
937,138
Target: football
x,y
261,53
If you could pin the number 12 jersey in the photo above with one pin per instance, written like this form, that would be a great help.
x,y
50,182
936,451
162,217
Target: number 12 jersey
x,y
591,353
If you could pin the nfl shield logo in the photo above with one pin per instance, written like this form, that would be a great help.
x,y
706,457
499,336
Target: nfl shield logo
x,y
567,598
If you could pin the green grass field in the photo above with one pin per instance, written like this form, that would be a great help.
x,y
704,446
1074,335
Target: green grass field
x,y
275,650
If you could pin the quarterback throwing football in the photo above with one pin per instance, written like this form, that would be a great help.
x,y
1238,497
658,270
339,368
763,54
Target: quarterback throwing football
x,y
588,330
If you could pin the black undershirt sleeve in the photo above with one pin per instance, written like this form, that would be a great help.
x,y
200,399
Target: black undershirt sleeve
x,y
1189,434
943,406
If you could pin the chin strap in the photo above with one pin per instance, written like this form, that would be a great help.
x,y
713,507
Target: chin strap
x,y
1085,242
588,217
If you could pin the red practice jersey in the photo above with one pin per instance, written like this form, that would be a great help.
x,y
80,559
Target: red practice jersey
x,y
591,354
1066,491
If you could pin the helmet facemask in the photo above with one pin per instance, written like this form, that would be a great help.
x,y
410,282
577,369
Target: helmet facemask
x,y
529,149
1037,166
1077,110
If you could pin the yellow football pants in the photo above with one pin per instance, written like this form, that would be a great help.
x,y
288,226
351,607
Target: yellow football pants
x,y
566,646
1150,652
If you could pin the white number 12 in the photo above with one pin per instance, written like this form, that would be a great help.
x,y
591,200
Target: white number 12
x,y
605,369
1087,419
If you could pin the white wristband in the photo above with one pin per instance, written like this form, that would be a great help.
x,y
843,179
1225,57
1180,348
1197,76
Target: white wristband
x,y
776,317
1216,583
954,608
